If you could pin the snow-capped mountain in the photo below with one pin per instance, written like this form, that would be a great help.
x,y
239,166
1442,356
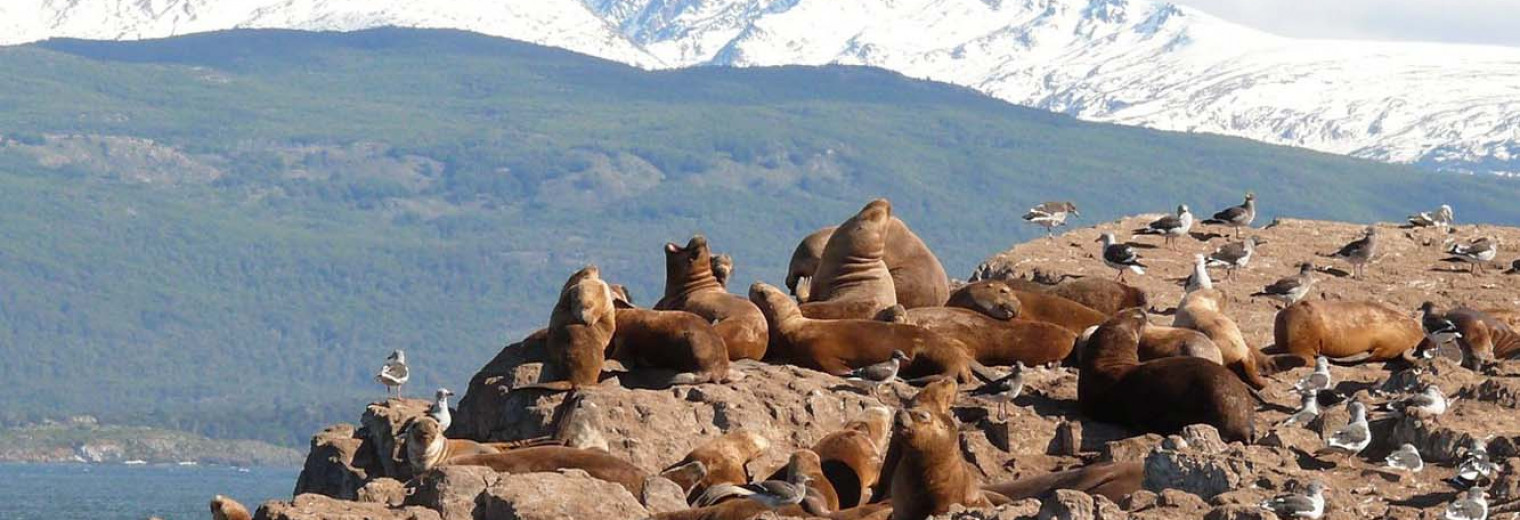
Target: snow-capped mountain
x,y
1136,62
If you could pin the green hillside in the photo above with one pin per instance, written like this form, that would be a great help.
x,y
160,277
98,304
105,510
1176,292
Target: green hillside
x,y
227,232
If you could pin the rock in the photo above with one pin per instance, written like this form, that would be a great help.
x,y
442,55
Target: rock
x,y
1501,391
453,491
663,496
337,465
1180,499
1436,442
382,428
1239,512
515,365
1139,500
1506,486
1293,437
1105,509
1203,438
1068,439
548,496
1066,504
1133,449
318,507
387,491
1200,475
1019,510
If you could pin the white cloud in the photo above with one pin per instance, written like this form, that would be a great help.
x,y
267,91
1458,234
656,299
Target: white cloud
x,y
1456,21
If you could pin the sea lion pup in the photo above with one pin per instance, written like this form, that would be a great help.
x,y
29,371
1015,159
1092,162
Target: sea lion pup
x,y
839,346
1343,331
674,340
1102,295
850,459
427,448
1113,480
852,279
930,476
1202,310
722,459
223,508
993,341
995,298
691,287
723,269
543,459
580,329
1159,396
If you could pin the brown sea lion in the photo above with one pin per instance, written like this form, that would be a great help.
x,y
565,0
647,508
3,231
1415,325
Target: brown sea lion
x,y
1031,305
1343,331
930,476
918,277
995,298
690,286
852,273
580,329
1160,396
427,448
851,457
992,341
810,463
543,459
1112,480
839,346
1160,341
935,397
1202,310
674,340
1102,295
1484,337
224,508
723,459
804,263
1507,316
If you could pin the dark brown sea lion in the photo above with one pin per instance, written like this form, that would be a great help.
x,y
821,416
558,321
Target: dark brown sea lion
x,y
1160,341
723,458
673,340
1343,331
1159,396
930,476
580,329
851,457
1202,310
852,273
1100,294
996,342
690,286
223,508
427,448
541,459
839,346
1112,480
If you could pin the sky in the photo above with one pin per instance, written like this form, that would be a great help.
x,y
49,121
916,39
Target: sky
x,y
1456,21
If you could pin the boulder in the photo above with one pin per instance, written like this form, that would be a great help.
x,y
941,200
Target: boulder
x,y
1066,504
557,496
452,491
382,427
387,491
317,507
337,465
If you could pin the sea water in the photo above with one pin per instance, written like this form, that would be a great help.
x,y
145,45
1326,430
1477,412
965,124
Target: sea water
x,y
137,492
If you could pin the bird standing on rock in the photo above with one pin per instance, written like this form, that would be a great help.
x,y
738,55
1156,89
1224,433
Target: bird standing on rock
x,y
1004,390
1441,218
1236,216
1308,409
877,373
1317,380
1477,252
1358,252
1120,256
1171,226
1299,505
1200,277
1475,467
1234,255
439,411
1352,438
1405,458
1051,215
1291,289
394,373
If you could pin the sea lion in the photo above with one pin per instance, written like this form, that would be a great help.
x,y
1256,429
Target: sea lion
x,y
542,459
723,459
995,298
1507,316
804,263
1160,396
930,476
1112,480
578,425
580,329
852,273
850,459
1160,341
810,463
935,397
984,295
1343,331
992,341
427,448
723,269
918,277
839,346
1102,295
1202,310
674,340
690,286
224,508
1484,337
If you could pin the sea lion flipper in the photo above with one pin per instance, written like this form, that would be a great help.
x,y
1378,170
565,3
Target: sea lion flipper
x,y
996,498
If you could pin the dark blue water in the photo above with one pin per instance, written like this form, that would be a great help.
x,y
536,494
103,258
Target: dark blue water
x,y
66,491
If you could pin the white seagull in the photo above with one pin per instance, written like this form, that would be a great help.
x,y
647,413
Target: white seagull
x,y
1171,226
1352,438
1472,505
1476,252
877,373
1430,402
1317,380
440,409
1405,458
1050,215
1200,277
1005,389
394,373
1291,289
1475,466
1235,255
1299,505
1308,409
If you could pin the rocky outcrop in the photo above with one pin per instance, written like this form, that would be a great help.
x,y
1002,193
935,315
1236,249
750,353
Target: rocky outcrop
x,y
337,465
318,507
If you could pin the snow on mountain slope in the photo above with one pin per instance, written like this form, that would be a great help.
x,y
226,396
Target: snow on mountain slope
x,y
1136,62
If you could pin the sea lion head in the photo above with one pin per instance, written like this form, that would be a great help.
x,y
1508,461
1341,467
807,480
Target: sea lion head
x,y
589,300
894,314
876,423
1121,330
773,303
690,263
995,298
424,443
722,268
936,396
923,428
867,230
620,297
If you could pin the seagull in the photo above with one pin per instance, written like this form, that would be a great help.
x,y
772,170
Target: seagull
x,y
1317,380
1354,436
1473,505
1439,329
1475,466
1120,256
1236,216
773,494
1200,277
1440,218
394,373
1234,255
1291,289
1004,389
1051,215
1476,252
1298,505
440,409
877,373
1307,411
1170,226
1406,458
1358,252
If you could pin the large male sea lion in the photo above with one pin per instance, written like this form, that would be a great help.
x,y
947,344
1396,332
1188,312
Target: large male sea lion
x,y
804,263
690,286
852,279
1344,331
992,341
930,476
543,459
1160,396
1100,294
1112,480
723,460
580,329
674,340
1160,341
427,448
918,277
839,346
1202,310
851,457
